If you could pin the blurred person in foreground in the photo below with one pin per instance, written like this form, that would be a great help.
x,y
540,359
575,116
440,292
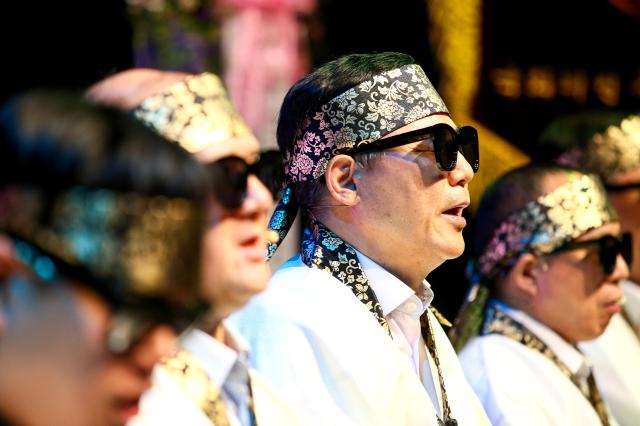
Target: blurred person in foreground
x,y
549,256
100,233
608,143
209,380
380,173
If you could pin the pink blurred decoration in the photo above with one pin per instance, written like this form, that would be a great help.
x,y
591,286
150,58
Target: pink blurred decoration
x,y
264,53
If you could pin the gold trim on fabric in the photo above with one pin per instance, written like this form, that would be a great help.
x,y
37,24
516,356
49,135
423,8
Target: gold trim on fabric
x,y
148,244
188,373
545,224
196,113
616,150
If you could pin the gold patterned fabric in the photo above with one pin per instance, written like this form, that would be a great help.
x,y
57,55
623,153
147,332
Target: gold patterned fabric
x,y
616,150
427,335
195,112
137,245
186,371
547,223
498,322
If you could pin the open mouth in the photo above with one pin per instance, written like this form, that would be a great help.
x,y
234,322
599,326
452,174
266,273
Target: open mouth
x,y
249,242
254,247
455,211
128,408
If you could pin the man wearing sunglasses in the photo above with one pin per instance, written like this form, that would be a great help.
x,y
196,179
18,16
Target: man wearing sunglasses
x,y
195,112
608,143
99,259
549,256
380,173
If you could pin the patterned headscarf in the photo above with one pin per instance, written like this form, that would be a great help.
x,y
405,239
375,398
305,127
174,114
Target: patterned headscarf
x,y
616,150
128,244
195,112
360,115
540,227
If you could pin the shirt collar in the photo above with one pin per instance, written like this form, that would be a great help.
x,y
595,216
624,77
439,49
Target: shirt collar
x,y
217,359
578,364
390,291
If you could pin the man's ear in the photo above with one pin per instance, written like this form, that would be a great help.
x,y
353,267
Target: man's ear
x,y
340,182
520,286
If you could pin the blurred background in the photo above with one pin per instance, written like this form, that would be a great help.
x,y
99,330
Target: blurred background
x,y
505,67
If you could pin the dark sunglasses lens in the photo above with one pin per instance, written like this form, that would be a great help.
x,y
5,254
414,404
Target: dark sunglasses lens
x,y
445,147
609,249
229,181
270,171
468,140
626,248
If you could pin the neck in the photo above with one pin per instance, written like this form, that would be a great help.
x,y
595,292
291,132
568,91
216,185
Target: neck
x,y
411,270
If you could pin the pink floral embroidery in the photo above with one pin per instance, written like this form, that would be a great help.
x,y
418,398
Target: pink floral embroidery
x,y
362,114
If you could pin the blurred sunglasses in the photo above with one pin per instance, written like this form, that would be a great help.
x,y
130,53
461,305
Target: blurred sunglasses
x,y
620,188
230,175
447,142
608,246
132,317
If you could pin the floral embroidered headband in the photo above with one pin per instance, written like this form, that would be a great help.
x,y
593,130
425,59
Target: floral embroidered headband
x,y
360,115
195,112
129,245
547,223
616,150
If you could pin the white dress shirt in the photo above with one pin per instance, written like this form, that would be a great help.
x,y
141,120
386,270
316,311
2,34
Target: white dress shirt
x,y
226,366
616,366
402,308
323,349
519,386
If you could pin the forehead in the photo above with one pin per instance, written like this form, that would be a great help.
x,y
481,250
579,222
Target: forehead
x,y
423,123
245,147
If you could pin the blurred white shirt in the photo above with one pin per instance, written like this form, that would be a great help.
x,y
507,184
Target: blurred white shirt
x,y
519,386
326,353
616,364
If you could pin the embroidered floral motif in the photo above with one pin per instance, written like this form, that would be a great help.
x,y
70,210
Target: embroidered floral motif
x,y
548,222
195,112
616,150
363,114
324,250
187,371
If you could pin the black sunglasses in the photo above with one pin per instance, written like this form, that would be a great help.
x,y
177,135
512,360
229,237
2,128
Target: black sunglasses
x,y
446,144
609,247
132,317
621,188
229,177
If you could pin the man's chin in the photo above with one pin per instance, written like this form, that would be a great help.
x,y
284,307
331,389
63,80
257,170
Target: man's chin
x,y
454,247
